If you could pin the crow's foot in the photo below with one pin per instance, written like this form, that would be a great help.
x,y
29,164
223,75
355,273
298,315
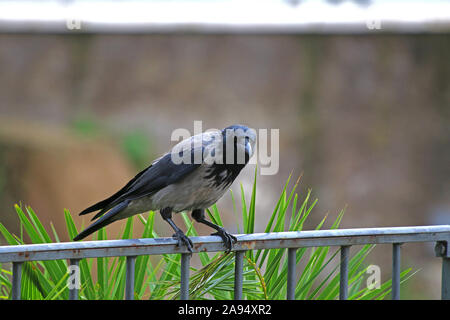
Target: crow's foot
x,y
183,239
227,238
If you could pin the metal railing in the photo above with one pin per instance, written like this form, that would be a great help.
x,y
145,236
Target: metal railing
x,y
345,238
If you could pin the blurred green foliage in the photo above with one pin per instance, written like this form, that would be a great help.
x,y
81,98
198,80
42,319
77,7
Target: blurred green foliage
x,y
135,143
137,147
86,126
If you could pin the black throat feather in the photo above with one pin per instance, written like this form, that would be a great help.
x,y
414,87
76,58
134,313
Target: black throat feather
x,y
223,174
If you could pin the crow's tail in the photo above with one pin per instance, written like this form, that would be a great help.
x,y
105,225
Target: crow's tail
x,y
106,219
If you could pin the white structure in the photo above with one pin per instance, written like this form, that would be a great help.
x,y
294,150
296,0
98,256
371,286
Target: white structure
x,y
221,16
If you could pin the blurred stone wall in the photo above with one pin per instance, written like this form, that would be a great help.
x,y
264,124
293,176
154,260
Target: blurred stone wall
x,y
366,118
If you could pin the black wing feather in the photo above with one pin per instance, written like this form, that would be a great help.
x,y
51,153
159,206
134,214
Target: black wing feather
x,y
152,179
103,221
160,175
104,203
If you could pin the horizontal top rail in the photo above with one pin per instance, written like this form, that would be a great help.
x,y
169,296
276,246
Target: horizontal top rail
x,y
293,239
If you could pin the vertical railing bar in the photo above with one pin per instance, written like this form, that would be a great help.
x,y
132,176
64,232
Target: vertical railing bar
x,y
73,291
238,274
442,250
16,280
396,271
292,265
129,281
184,286
445,285
343,281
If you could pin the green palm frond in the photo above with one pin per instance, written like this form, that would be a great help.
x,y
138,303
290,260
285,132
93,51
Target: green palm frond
x,y
264,271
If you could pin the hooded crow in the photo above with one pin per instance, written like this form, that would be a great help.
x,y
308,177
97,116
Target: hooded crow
x,y
191,177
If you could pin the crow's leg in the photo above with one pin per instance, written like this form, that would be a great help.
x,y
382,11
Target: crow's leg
x,y
228,239
166,214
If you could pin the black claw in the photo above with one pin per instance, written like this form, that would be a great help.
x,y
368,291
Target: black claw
x,y
227,238
183,239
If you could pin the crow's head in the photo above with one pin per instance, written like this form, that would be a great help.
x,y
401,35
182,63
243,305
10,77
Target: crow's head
x,y
241,140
